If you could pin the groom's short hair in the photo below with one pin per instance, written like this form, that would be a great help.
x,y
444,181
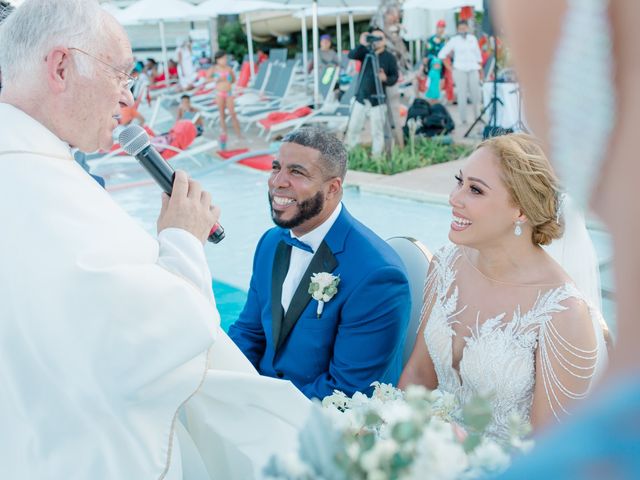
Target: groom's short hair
x,y
332,151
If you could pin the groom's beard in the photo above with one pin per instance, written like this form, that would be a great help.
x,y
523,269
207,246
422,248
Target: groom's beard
x,y
307,209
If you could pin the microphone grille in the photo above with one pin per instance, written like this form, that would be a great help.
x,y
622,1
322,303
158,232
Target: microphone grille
x,y
133,139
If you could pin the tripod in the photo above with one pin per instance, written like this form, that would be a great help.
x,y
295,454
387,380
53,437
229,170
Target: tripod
x,y
371,60
492,125
520,126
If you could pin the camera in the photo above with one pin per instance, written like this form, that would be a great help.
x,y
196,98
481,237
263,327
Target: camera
x,y
373,38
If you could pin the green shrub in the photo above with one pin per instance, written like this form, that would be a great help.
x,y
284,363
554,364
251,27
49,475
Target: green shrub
x,y
423,152
232,39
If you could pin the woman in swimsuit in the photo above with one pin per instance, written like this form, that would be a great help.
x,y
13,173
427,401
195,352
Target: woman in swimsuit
x,y
224,77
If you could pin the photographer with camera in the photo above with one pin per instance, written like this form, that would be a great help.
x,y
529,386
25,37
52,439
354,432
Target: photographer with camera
x,y
368,100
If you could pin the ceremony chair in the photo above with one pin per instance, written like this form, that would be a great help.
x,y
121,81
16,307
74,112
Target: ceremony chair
x,y
416,258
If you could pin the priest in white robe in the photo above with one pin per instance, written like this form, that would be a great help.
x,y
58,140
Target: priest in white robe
x,y
106,333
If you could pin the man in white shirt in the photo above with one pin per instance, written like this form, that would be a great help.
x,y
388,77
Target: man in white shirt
x,y
467,62
356,336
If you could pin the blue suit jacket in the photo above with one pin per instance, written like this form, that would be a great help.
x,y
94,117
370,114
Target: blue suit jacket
x,y
359,337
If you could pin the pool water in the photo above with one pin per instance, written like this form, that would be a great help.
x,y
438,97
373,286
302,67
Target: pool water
x,y
242,195
229,301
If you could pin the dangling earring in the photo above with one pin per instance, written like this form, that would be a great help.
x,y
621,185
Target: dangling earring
x,y
518,230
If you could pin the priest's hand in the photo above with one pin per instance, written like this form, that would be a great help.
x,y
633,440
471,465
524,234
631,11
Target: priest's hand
x,y
188,208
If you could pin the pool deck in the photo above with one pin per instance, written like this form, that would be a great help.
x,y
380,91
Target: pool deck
x,y
431,184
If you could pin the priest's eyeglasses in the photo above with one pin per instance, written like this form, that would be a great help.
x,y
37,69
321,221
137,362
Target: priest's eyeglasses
x,y
126,81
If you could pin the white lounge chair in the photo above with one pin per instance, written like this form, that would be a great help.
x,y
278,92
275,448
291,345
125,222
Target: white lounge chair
x,y
334,115
328,81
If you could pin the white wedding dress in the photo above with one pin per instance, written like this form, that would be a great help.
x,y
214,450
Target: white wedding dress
x,y
504,330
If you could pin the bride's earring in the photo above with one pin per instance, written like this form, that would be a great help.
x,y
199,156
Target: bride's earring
x,y
518,230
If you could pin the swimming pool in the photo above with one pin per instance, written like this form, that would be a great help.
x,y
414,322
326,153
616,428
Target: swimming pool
x,y
242,195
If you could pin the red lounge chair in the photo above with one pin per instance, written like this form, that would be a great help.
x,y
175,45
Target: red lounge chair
x,y
278,117
259,162
182,134
277,121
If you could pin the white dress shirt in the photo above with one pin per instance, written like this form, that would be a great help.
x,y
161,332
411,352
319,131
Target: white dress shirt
x,y
466,52
300,259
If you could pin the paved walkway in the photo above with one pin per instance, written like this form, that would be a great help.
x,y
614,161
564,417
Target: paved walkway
x,y
432,183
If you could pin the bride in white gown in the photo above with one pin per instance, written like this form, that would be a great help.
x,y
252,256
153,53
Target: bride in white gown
x,y
501,318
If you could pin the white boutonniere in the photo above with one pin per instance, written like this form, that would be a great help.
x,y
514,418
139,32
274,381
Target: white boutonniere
x,y
322,288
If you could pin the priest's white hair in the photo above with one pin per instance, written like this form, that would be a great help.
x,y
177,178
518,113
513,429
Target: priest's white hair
x,y
36,26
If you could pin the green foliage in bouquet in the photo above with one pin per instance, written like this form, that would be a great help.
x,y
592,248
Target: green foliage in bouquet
x,y
395,435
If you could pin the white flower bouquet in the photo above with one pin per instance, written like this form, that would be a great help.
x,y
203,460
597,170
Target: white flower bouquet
x,y
410,435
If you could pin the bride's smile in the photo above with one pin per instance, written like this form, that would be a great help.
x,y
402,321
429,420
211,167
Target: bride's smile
x,y
459,223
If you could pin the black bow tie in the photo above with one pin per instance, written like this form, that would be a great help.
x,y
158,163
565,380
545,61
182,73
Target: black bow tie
x,y
294,242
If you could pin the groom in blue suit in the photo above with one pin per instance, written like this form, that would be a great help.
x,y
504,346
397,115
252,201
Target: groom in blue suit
x,y
357,337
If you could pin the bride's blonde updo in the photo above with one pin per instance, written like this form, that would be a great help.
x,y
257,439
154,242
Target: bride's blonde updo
x,y
530,181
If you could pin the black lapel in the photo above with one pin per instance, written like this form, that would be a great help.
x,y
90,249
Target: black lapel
x,y
322,261
279,272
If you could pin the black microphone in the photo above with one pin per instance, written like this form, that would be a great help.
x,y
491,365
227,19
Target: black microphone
x,y
135,141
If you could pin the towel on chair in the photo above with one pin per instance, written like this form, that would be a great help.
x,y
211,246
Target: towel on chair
x,y
259,162
180,136
279,117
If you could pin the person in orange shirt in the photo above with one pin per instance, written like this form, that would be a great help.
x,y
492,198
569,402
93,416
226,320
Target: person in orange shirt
x,y
129,114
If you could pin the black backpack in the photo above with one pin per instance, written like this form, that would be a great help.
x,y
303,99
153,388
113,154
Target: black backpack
x,y
434,119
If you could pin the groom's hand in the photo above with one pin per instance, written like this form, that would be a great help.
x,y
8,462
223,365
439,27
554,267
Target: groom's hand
x,y
189,208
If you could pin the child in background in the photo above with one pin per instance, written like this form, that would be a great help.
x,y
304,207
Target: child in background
x,y
434,78
128,115
186,111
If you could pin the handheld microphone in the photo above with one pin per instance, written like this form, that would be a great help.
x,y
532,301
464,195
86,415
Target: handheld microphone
x,y
135,141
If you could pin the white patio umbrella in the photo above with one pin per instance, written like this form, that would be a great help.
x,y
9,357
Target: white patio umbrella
x,y
314,9
442,4
159,11
213,8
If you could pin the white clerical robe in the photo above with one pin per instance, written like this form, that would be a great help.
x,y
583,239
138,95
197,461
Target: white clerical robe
x,y
106,333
